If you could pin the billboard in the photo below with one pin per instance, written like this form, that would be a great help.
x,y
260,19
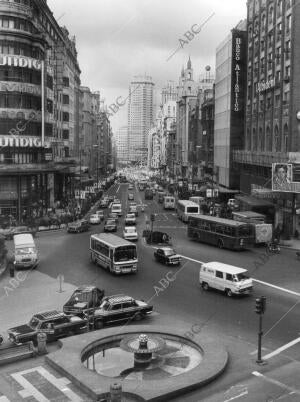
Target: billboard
x,y
286,177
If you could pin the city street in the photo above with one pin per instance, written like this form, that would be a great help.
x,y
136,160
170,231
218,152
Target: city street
x,y
231,320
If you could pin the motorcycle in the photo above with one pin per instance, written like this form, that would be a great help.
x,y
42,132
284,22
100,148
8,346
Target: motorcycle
x,y
273,247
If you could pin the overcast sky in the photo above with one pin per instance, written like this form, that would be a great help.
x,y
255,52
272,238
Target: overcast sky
x,y
117,39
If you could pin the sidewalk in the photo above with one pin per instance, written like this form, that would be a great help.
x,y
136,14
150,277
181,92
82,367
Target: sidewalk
x,y
292,244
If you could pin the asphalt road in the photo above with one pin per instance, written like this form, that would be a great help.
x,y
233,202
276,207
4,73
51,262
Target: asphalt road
x,y
230,319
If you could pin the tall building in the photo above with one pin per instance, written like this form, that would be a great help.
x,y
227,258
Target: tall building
x,y
273,102
231,74
140,116
37,108
122,144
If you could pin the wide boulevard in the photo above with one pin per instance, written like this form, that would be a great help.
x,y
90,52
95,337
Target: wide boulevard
x,y
178,299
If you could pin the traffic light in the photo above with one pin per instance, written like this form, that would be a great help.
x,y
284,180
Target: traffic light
x,y
260,305
152,217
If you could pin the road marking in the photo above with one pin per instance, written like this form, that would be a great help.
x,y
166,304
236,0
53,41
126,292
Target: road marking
x,y
237,396
191,259
118,189
275,382
281,349
277,287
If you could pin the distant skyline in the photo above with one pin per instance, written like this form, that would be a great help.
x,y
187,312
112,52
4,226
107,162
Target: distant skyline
x,y
118,39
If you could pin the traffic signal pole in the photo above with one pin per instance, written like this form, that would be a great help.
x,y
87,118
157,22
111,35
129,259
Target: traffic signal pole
x,y
260,334
260,308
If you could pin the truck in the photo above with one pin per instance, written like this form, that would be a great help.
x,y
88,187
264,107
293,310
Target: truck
x,y
84,300
25,251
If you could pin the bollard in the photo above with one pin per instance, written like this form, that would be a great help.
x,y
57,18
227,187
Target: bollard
x,y
12,270
41,342
116,392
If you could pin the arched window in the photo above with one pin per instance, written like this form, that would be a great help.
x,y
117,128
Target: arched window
x,y
261,140
271,14
263,21
286,137
268,140
277,142
254,139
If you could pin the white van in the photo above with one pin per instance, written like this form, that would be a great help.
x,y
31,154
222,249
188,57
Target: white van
x,y
169,202
231,280
117,209
25,251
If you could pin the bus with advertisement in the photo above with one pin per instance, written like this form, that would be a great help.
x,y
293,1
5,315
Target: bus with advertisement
x,y
224,233
263,231
113,253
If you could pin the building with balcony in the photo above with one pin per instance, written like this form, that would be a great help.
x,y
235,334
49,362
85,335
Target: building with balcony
x,y
37,120
273,98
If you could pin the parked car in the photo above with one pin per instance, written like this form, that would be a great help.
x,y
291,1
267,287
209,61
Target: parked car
x,y
78,226
84,299
130,233
9,234
95,219
100,213
130,219
167,256
130,197
54,323
115,309
110,225
133,208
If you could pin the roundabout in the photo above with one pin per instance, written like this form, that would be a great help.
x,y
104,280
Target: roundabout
x,y
149,362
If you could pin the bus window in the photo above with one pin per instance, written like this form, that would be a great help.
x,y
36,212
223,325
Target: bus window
x,y
244,231
192,210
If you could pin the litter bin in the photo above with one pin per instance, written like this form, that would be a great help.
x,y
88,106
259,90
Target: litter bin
x,y
41,343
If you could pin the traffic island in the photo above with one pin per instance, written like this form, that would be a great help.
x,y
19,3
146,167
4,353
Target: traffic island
x,y
172,364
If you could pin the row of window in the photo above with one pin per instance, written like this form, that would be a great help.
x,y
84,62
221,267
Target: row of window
x,y
10,22
224,229
22,49
20,101
100,247
32,128
267,141
273,12
18,74
20,157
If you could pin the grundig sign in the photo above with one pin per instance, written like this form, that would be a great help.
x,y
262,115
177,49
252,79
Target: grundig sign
x,y
20,61
22,142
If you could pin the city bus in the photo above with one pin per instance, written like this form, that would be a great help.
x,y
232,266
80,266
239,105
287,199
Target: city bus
x,y
263,231
224,233
185,208
113,253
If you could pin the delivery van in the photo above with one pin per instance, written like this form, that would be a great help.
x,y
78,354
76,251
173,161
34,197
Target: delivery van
x,y
117,209
227,278
25,251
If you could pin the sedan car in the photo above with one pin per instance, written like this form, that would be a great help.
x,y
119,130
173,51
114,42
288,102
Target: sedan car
x,y
130,197
95,219
100,213
54,323
104,203
130,187
110,225
167,256
130,233
115,309
130,219
114,216
78,226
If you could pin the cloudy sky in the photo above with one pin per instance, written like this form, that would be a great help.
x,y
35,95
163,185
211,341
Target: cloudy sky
x,y
117,39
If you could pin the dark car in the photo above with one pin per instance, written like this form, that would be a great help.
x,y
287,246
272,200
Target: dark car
x,y
78,226
115,309
158,238
84,300
9,234
110,225
167,256
104,203
54,323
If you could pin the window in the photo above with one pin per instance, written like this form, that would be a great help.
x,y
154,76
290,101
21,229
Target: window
x,y
278,76
287,49
66,81
277,100
49,81
268,139
49,106
66,99
65,134
229,277
285,137
65,116
277,142
288,23
219,274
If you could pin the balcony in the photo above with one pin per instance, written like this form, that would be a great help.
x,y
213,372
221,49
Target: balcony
x,y
264,158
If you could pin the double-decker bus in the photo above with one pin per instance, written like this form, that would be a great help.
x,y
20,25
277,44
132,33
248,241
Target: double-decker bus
x,y
113,253
185,208
221,232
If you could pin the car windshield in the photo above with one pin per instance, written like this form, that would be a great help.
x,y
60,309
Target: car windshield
x,y
110,222
33,323
241,277
169,252
25,250
130,216
125,253
130,230
80,297
104,305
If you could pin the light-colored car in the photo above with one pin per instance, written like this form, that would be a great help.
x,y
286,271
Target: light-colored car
x,y
130,219
95,219
130,197
130,233
130,187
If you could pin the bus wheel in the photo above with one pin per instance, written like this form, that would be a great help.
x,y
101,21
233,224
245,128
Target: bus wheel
x,y
228,292
205,286
220,243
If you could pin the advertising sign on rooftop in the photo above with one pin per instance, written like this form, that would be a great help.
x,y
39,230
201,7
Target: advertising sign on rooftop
x,y
286,177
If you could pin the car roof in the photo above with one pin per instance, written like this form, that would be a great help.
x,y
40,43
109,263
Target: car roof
x,y
85,288
119,298
49,315
230,269
166,248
